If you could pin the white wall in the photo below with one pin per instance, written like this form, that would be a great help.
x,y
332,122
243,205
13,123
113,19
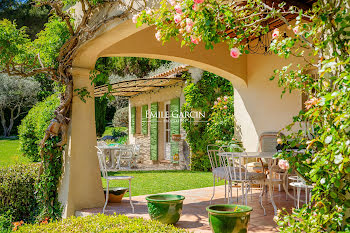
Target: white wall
x,y
259,107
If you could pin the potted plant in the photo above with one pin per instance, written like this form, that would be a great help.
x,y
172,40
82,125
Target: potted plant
x,y
166,208
229,218
116,194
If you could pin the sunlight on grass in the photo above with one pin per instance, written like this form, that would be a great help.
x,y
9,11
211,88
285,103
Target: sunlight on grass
x,y
10,154
150,182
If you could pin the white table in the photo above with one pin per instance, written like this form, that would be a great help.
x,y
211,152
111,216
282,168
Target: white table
x,y
265,155
112,150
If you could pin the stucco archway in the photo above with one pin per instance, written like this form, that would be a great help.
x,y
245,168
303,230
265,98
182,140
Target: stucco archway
x,y
258,107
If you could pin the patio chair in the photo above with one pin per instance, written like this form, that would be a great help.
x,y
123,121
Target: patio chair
x,y
235,167
103,168
135,154
218,172
268,143
125,155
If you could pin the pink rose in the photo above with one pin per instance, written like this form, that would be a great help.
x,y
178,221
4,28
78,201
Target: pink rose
x,y
195,7
158,35
275,33
283,164
235,53
296,29
172,2
198,1
189,22
279,141
177,18
225,107
178,9
219,99
134,18
188,29
225,98
195,40
215,103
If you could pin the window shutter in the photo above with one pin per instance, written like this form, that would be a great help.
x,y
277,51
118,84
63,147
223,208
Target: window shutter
x,y
133,120
174,126
144,120
154,132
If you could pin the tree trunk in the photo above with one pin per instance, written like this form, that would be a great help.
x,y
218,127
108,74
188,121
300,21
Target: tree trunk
x,y
12,119
3,122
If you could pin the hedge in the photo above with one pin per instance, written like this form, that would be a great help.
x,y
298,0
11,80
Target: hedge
x,y
17,191
101,223
33,126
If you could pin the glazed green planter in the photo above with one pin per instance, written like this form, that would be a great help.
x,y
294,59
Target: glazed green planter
x,y
229,218
165,208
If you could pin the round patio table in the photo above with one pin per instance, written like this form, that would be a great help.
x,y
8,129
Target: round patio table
x,y
112,154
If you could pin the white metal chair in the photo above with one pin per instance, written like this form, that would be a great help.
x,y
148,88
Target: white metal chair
x,y
236,169
218,172
125,155
299,184
103,168
268,143
135,154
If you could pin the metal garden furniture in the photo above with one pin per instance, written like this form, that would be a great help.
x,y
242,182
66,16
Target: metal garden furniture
x,y
235,166
103,168
217,170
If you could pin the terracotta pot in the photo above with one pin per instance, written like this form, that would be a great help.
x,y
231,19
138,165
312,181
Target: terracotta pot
x,y
116,194
229,218
166,208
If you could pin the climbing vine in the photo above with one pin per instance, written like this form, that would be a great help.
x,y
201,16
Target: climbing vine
x,y
209,96
319,37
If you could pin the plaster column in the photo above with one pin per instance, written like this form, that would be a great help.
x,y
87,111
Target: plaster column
x,y
81,185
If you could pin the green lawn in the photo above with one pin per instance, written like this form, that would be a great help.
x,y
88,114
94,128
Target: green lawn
x,y
9,152
150,182
146,182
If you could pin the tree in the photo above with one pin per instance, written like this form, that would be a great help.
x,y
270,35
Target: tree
x,y
52,54
138,66
320,37
25,14
16,96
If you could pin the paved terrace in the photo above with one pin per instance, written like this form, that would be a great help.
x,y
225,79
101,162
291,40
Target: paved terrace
x,y
194,216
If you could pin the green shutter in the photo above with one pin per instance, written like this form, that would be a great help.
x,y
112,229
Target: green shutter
x,y
133,120
154,132
174,125
144,120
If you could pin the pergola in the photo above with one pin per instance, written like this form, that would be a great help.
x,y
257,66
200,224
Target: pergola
x,y
134,87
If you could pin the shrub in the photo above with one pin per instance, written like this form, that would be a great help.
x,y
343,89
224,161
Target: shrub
x,y
6,222
101,223
17,191
121,117
33,126
119,132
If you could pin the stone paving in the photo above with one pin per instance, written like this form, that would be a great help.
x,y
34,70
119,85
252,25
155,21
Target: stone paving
x,y
194,216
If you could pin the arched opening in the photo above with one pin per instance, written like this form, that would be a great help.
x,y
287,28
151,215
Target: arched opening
x,y
257,102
